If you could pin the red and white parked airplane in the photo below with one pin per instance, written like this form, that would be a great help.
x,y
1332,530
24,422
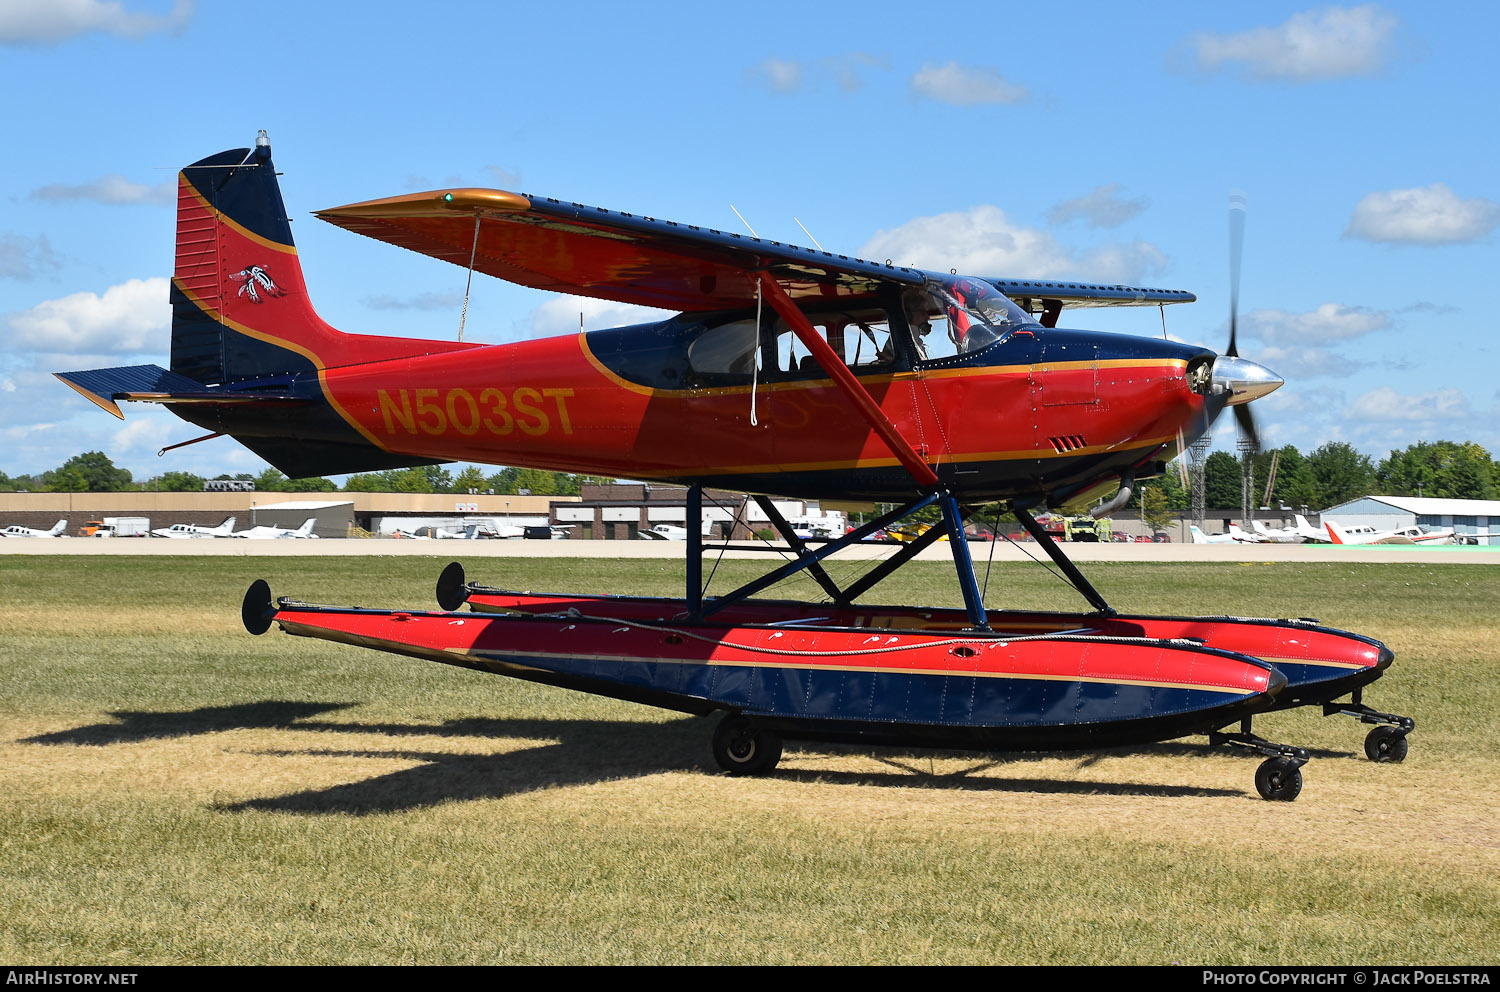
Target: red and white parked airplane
x,y
1367,534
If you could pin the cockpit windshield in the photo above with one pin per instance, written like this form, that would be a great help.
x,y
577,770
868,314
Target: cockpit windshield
x,y
977,314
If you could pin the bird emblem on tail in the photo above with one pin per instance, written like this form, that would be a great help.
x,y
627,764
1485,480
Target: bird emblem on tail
x,y
256,280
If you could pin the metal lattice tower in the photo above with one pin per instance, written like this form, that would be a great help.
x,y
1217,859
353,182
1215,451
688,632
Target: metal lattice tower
x,y
1197,456
1248,450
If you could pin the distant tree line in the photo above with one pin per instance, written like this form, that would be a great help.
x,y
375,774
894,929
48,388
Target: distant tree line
x,y
94,472
1334,473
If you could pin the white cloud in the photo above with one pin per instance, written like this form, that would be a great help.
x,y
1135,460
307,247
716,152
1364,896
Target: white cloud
x,y
143,435
966,86
1307,362
1294,414
846,69
48,22
25,258
981,241
1104,207
1329,322
1331,43
111,189
1429,308
422,301
21,432
560,315
1296,400
1121,263
790,75
1385,404
413,181
121,321
1430,215
780,75
507,178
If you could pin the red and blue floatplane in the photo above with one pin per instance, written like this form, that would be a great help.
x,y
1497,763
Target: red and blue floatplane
x,y
784,371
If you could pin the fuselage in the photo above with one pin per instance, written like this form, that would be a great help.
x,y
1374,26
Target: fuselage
x,y
946,383
1042,411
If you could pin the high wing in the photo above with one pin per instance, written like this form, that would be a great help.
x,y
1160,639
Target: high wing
x,y
591,251
1083,294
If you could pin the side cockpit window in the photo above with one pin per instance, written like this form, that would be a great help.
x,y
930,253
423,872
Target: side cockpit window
x,y
724,354
861,339
959,315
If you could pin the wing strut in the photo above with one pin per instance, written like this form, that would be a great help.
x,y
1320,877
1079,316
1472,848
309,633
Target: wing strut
x,y
1040,536
846,381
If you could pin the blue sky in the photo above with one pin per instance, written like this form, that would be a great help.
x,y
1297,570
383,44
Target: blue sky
x,y
1093,140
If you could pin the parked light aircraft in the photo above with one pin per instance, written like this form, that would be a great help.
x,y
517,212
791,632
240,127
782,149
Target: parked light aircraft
x,y
1201,538
663,532
785,372
1368,534
437,533
225,529
263,532
1309,533
1278,535
16,530
1244,536
1234,535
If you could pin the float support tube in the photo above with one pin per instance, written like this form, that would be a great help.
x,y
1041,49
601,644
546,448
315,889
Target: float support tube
x,y
882,571
811,557
798,546
695,551
1063,561
978,617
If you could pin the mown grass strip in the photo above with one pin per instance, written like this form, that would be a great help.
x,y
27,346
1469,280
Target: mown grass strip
x,y
173,790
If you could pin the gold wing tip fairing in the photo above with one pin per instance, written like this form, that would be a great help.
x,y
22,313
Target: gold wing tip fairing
x,y
433,203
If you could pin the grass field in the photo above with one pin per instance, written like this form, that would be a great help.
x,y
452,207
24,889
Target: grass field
x,y
173,790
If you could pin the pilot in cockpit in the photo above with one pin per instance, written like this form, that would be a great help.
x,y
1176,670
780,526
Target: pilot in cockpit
x,y
914,303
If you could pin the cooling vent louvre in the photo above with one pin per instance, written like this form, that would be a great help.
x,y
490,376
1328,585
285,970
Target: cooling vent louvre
x,y
1067,442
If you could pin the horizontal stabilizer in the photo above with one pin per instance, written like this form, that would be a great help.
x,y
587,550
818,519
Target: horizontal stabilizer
x,y
154,384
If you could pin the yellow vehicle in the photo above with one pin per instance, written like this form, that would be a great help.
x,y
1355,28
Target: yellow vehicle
x,y
1086,529
1083,528
906,533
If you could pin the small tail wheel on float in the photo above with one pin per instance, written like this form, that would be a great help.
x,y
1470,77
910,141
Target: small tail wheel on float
x,y
1279,779
1386,744
742,748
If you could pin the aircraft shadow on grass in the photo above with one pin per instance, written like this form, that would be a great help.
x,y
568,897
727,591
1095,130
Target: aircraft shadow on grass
x,y
570,753
134,726
585,752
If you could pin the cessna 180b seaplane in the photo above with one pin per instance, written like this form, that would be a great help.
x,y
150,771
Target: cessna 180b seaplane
x,y
787,372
